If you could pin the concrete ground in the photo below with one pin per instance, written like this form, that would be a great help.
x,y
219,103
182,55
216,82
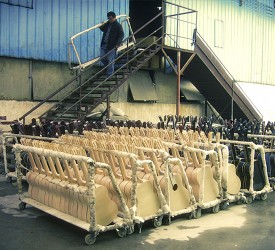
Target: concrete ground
x,y
237,227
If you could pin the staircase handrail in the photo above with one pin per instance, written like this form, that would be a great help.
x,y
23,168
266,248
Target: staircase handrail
x,y
82,72
234,82
71,43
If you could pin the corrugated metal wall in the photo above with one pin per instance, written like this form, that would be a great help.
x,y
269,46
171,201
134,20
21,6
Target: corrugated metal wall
x,y
43,31
241,33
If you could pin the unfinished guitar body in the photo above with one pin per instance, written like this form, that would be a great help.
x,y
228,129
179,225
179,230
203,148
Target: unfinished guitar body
x,y
147,203
179,199
233,181
71,199
207,183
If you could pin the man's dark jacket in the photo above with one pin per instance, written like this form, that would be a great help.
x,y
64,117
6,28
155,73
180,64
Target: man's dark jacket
x,y
116,34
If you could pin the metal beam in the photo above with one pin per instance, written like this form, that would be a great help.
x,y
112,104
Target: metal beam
x,y
187,63
169,61
108,107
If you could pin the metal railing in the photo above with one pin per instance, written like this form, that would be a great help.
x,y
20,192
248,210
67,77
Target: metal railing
x,y
178,21
72,43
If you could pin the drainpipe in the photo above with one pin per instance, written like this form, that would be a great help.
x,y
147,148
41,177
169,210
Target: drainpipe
x,y
30,80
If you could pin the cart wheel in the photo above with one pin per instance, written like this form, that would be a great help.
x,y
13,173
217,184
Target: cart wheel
x,y
190,216
216,209
121,232
197,213
223,205
139,227
239,202
130,229
167,220
90,239
263,196
157,222
249,199
22,205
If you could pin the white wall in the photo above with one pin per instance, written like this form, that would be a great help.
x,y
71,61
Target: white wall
x,y
241,36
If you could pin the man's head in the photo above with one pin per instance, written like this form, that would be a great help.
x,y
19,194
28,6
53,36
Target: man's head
x,y
111,16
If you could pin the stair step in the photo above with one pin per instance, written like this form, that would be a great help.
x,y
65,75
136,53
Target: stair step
x,y
73,112
92,90
87,92
85,101
105,84
112,79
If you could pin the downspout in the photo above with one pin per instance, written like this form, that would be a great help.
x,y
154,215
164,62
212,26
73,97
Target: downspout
x,y
30,80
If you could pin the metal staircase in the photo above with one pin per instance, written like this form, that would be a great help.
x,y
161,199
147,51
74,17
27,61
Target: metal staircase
x,y
97,88
84,92
88,89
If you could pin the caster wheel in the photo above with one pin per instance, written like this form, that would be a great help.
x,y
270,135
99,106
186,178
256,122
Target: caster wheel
x,y
167,220
249,199
130,229
197,213
239,202
121,232
216,209
223,205
90,239
139,227
190,216
263,196
22,205
157,222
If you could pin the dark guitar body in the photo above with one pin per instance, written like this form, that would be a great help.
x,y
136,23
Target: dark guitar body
x,y
243,171
271,173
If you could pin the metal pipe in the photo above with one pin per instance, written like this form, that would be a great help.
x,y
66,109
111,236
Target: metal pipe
x,y
190,12
108,107
178,84
30,80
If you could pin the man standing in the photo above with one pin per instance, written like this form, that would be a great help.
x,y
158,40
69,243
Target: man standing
x,y
112,37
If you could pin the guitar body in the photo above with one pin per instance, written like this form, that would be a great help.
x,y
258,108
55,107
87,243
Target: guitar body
x,y
180,198
233,181
272,165
210,190
106,209
243,171
258,178
147,202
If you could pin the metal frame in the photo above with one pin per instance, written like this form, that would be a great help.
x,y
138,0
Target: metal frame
x,y
92,228
251,193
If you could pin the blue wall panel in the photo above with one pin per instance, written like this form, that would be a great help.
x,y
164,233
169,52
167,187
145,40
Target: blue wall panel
x,y
43,31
